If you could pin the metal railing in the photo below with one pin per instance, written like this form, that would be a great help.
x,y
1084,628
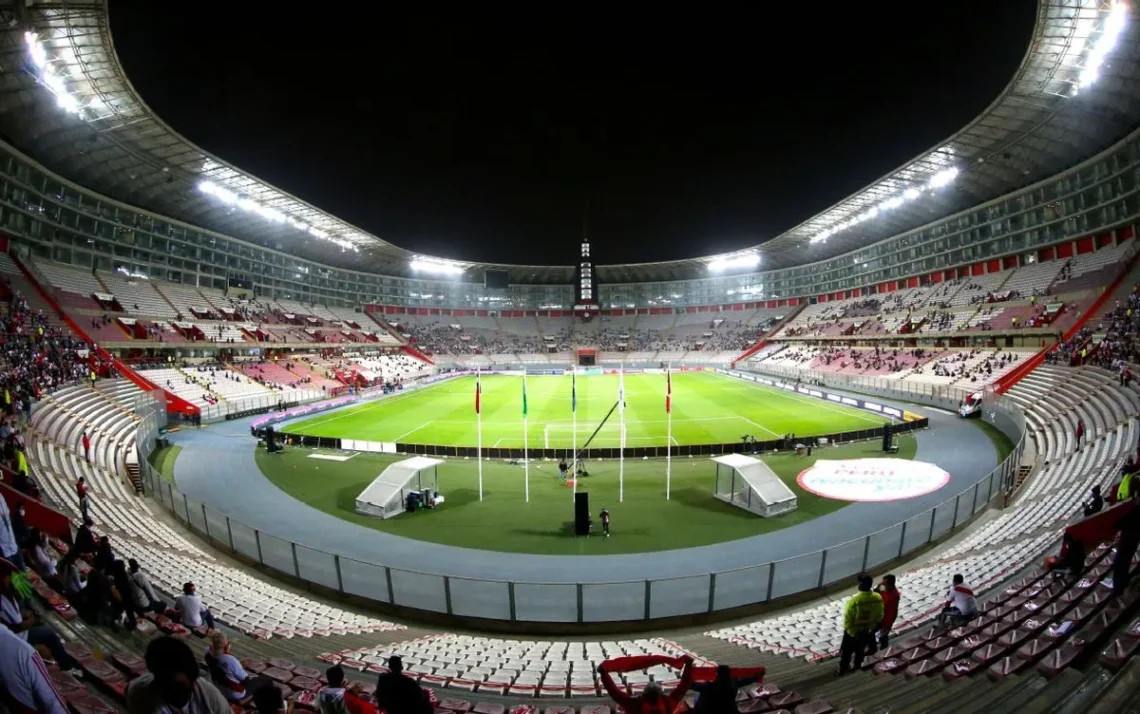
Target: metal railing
x,y
571,602
252,403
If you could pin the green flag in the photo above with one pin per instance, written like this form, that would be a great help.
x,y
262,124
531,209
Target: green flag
x,y
524,396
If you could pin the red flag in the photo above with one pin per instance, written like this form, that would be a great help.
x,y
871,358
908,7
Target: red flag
x,y
668,391
478,393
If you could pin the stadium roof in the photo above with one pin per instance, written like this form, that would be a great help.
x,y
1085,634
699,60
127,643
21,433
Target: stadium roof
x,y
65,101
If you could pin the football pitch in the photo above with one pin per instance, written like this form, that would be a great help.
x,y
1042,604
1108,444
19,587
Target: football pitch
x,y
707,408
642,519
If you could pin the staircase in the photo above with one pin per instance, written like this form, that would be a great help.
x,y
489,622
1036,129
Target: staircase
x,y
134,473
165,299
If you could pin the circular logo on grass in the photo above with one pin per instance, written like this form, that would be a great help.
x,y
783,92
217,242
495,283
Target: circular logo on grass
x,y
872,479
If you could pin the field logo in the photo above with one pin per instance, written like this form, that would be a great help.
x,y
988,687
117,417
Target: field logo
x,y
872,479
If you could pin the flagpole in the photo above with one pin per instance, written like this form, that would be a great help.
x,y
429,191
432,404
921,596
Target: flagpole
x,y
526,432
574,427
621,446
669,430
479,428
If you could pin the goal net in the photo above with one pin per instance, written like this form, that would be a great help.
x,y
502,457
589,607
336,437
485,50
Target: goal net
x,y
748,483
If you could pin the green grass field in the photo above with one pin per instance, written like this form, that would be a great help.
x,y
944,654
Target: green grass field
x,y
504,521
707,409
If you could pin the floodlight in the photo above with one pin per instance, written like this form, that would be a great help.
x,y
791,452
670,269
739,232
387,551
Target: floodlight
x,y
735,261
438,266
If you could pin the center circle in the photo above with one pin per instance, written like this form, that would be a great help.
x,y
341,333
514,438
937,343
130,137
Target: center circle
x,y
872,479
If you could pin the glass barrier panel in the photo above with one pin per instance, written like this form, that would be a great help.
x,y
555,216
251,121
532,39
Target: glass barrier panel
x,y
883,546
604,602
179,502
546,602
943,517
480,598
984,493
277,553
745,586
317,567
219,530
844,561
364,579
679,596
197,517
418,590
917,532
796,574
245,540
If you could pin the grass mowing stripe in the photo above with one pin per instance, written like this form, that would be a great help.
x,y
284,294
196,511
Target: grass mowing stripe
x,y
705,410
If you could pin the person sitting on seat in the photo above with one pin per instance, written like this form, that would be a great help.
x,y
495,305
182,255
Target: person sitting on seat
x,y
960,607
1070,562
1095,502
336,698
228,674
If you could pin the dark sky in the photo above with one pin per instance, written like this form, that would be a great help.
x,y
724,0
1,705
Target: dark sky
x,y
479,136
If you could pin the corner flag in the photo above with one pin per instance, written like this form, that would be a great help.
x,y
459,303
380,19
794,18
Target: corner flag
x,y
668,391
478,392
574,391
524,397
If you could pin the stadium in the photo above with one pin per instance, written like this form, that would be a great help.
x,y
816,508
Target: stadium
x,y
547,488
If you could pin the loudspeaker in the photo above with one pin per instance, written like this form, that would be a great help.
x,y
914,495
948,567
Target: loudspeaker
x,y
581,513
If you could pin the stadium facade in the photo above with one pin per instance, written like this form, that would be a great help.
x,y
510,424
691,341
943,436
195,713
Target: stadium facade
x,y
93,178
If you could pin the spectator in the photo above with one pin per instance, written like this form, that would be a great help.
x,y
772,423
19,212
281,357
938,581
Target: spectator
x,y
84,539
652,699
861,617
1080,432
191,609
81,492
104,556
24,681
9,546
142,593
172,683
227,672
41,560
719,695
1095,502
95,603
396,692
1127,540
268,700
25,624
1071,560
336,698
121,594
890,595
69,575
960,604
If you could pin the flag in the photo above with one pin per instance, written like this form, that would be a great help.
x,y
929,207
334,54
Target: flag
x,y
524,397
668,391
478,393
574,391
621,392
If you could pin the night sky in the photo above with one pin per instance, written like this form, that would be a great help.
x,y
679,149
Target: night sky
x,y
480,136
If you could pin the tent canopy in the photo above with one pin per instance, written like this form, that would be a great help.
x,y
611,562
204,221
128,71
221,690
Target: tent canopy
x,y
748,483
385,495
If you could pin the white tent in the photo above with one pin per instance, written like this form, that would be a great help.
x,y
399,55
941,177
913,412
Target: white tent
x,y
748,483
385,496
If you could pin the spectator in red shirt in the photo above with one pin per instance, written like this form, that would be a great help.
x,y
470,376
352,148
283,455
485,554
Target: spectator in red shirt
x,y
87,447
890,595
653,699
81,491
1080,432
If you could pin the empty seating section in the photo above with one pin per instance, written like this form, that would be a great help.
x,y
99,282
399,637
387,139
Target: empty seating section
x,y
528,668
224,331
138,297
977,287
244,602
1033,279
70,280
205,385
186,299
1053,398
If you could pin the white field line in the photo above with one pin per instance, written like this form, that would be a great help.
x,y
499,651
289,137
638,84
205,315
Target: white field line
x,y
413,431
761,426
